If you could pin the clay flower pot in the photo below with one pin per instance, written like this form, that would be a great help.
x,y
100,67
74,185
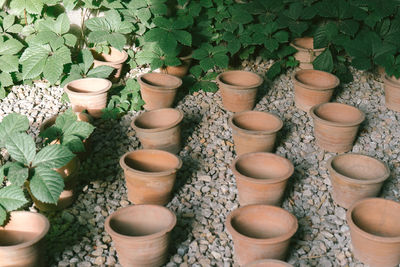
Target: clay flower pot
x,y
261,177
158,90
180,70
268,263
260,232
114,59
305,52
21,240
356,176
312,87
254,131
375,231
88,94
159,129
336,126
150,175
238,89
141,234
392,93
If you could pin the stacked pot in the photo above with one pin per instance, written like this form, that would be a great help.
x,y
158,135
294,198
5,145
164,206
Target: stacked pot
x,y
306,53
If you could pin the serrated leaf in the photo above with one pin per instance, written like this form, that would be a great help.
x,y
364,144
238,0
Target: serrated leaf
x,y
324,61
69,4
207,64
274,70
88,59
74,143
8,21
80,128
100,72
33,67
200,54
62,24
31,6
221,60
271,44
17,174
12,123
98,24
16,28
10,47
3,215
113,18
21,147
196,71
53,69
116,40
63,54
281,36
12,197
183,37
324,35
70,39
46,185
6,79
125,27
53,156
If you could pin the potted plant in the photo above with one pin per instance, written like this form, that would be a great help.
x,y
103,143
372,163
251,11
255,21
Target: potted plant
x,y
181,70
305,52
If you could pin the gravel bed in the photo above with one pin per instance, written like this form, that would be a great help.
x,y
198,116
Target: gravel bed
x,y
206,191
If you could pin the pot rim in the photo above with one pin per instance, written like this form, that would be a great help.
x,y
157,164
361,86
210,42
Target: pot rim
x,y
125,167
272,240
363,233
251,132
37,238
387,79
160,88
112,232
382,178
285,264
99,92
120,61
315,88
303,49
262,181
159,129
337,124
239,87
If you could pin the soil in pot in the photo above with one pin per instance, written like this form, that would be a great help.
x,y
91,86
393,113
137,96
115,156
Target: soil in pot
x,y
260,232
88,94
254,131
181,70
392,93
336,126
312,87
114,59
21,240
150,175
375,231
268,263
356,176
261,177
141,234
158,90
238,89
159,129
305,52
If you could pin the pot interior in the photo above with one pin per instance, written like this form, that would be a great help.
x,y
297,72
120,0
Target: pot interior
x,y
316,78
378,217
151,161
339,113
240,78
161,80
142,220
23,227
263,221
257,121
264,166
359,167
305,42
88,85
159,118
114,55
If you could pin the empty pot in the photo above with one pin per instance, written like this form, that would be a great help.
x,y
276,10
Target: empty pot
x,y
268,263
114,59
159,129
150,175
141,234
261,177
21,240
260,232
336,125
356,176
375,231
88,94
238,89
158,90
305,52
254,131
392,93
312,87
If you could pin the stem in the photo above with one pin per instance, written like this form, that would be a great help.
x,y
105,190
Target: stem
x,y
26,18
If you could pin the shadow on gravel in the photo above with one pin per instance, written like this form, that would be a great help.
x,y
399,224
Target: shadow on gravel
x,y
262,91
336,93
284,133
180,233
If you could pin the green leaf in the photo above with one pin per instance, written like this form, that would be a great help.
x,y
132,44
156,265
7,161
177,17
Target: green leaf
x,y
74,143
163,22
207,64
10,47
98,24
16,28
3,215
46,185
183,37
80,128
274,70
33,67
65,120
8,63
100,72
113,18
271,44
70,39
69,4
12,197
6,79
53,156
125,27
21,147
325,34
88,59
221,60
62,24
200,54
12,123
53,69
281,36
116,40
17,174
8,21
31,6
324,61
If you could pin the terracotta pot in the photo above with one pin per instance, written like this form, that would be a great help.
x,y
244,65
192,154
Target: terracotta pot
x,y
261,177
88,94
312,87
392,93
336,126
381,71
159,129
21,240
141,234
238,89
356,176
375,231
114,59
260,232
150,175
268,263
306,52
180,70
254,131
158,90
